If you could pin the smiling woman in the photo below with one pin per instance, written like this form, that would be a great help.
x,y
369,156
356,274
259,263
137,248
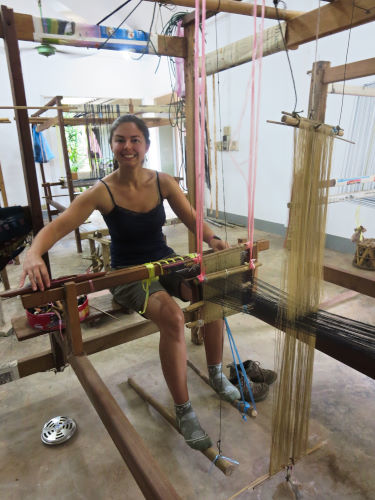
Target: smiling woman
x,y
131,201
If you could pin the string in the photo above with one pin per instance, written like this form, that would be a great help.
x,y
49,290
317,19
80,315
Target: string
x,y
254,125
346,60
199,118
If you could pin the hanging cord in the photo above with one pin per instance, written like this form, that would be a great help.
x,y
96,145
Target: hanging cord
x,y
346,61
315,57
220,132
119,26
276,2
113,12
237,360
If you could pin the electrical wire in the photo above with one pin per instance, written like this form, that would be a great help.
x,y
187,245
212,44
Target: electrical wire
x,y
119,26
113,12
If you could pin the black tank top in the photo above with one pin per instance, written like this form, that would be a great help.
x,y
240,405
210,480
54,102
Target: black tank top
x,y
136,237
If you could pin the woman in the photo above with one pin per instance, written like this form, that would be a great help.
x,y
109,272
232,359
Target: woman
x,y
131,201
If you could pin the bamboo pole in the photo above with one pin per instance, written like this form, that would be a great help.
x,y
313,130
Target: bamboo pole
x,y
145,470
211,453
235,7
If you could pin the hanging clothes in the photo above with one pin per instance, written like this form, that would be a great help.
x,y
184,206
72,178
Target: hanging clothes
x,y
42,151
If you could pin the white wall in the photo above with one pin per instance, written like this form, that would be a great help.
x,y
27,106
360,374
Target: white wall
x,y
109,74
276,142
103,74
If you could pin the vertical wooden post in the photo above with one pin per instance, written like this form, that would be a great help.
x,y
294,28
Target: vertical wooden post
x,y
22,120
68,172
2,189
73,324
318,92
189,123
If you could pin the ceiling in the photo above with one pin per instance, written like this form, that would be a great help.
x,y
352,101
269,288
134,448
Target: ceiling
x,y
93,11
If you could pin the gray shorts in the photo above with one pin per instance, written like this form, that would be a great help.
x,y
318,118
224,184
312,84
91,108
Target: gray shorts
x,y
133,295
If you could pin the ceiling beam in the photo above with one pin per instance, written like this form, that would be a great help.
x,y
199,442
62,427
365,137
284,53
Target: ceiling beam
x,y
236,7
331,18
173,46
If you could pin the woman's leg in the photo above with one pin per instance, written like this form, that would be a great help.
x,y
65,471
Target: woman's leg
x,y
164,311
213,341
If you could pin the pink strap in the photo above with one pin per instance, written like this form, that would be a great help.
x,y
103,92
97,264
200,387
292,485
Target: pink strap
x,y
199,111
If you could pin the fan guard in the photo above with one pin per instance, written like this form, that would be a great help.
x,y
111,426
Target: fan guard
x,y
58,430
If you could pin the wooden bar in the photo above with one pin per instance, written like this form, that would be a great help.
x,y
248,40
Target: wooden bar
x,y
150,122
211,453
356,90
100,282
318,92
145,470
346,279
50,105
235,7
358,69
190,124
73,324
24,136
55,204
333,18
68,172
167,45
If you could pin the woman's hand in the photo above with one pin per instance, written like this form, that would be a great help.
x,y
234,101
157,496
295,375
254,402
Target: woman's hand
x,y
217,244
35,268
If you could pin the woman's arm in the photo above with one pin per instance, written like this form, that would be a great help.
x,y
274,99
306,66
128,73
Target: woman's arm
x,y
182,208
34,266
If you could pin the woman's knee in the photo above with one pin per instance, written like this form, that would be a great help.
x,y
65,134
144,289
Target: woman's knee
x,y
172,320
166,313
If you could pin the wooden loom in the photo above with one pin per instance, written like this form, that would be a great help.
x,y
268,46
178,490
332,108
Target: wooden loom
x,y
60,121
300,29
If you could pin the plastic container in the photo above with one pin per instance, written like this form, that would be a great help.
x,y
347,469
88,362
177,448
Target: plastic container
x,y
49,321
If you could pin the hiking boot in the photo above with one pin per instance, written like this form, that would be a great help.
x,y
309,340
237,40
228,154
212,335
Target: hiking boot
x,y
258,389
254,372
189,426
221,384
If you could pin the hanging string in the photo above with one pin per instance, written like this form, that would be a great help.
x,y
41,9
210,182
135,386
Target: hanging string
x,y
254,124
346,61
315,60
276,2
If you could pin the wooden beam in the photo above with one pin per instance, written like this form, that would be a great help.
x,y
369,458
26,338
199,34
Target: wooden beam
x,y
150,122
190,124
68,173
358,69
333,18
145,470
235,7
318,92
356,90
8,27
173,46
346,279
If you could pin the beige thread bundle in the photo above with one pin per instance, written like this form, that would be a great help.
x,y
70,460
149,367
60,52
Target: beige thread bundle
x,y
302,276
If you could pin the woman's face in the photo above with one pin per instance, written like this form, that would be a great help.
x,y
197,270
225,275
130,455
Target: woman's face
x,y
129,145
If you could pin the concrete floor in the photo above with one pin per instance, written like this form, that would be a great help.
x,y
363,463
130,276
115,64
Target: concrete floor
x,y
90,467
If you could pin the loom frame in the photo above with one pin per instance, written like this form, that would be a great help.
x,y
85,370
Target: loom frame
x,y
14,27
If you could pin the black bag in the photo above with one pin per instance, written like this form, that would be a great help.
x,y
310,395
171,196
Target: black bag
x,y
15,226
